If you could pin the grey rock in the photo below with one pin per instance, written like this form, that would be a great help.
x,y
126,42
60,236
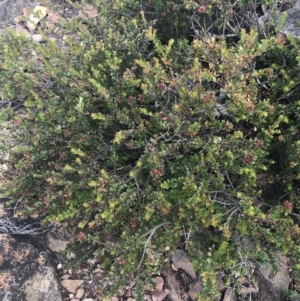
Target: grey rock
x,y
26,272
291,24
182,261
273,285
9,9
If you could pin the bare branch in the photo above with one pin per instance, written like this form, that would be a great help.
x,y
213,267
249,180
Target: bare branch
x,y
150,233
8,226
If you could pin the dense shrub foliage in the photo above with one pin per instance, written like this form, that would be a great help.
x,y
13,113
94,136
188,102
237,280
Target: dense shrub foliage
x,y
141,137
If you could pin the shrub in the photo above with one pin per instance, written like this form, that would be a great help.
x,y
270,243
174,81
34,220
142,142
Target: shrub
x,y
132,140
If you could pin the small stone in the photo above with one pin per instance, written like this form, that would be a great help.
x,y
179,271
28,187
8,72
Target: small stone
x,y
66,276
52,19
37,37
4,167
132,283
159,296
39,12
195,290
97,274
71,285
21,29
59,266
18,19
181,261
174,268
88,299
159,283
98,271
230,295
79,293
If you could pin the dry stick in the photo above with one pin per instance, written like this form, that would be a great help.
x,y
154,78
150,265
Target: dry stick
x,y
151,233
7,226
